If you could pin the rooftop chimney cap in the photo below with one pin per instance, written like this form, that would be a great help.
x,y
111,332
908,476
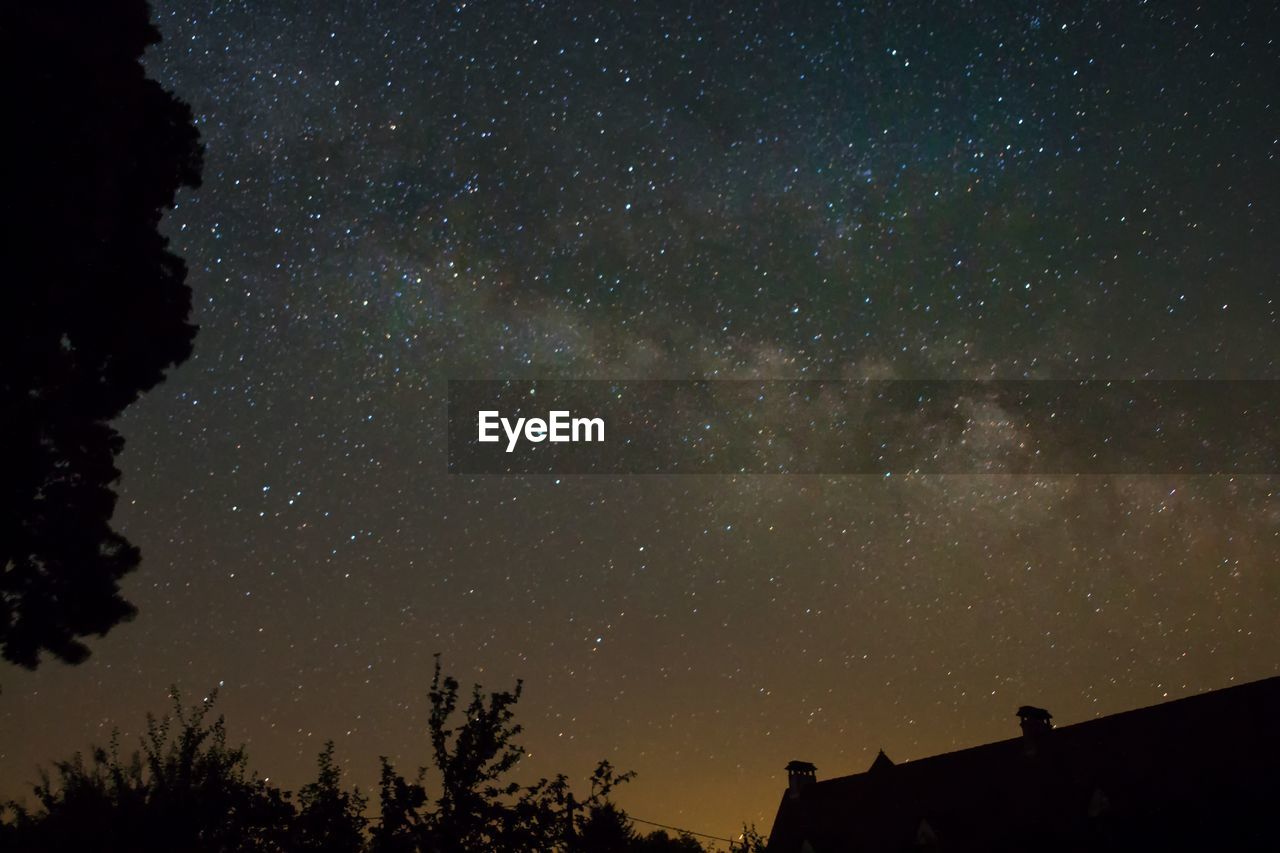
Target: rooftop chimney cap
x,y
800,775
1031,712
1036,723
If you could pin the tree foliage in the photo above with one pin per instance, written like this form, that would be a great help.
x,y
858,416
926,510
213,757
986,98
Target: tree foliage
x,y
186,789
478,807
330,818
94,311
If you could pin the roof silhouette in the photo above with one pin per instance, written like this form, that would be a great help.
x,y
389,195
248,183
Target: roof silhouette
x,y
882,763
1194,768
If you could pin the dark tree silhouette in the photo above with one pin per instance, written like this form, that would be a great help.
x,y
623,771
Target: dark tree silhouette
x,y
186,789
330,819
478,808
93,312
659,841
752,841
605,830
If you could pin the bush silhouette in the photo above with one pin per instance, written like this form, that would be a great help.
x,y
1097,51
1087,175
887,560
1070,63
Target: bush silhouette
x,y
186,789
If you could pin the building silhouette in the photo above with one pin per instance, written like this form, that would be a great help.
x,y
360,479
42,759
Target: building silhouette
x,y
1201,773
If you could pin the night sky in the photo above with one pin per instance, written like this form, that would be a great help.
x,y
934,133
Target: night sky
x,y
396,194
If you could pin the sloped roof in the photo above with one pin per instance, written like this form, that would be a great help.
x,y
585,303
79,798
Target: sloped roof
x,y
1196,750
882,763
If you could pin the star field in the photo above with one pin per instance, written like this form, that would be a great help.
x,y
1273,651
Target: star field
x,y
396,194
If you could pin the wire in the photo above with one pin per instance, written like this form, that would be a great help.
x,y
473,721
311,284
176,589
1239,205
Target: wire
x,y
678,829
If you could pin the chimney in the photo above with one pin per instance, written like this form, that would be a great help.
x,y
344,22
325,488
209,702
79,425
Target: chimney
x,y
800,774
1036,724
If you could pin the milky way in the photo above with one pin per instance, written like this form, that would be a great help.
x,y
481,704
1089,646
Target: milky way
x,y
397,194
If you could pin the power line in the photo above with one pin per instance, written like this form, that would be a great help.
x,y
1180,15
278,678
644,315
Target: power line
x,y
679,829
